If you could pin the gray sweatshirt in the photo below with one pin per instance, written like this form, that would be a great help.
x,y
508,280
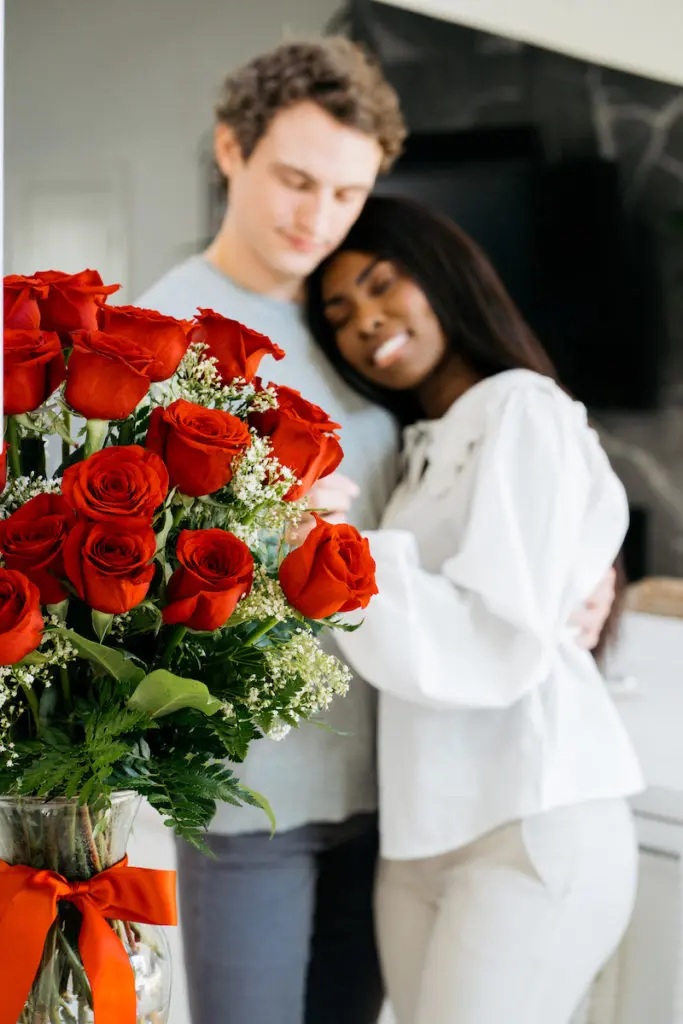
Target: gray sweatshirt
x,y
313,775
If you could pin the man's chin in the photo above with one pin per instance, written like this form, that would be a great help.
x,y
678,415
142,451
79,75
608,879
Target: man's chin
x,y
300,264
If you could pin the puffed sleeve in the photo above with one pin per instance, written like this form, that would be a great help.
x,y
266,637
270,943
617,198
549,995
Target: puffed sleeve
x,y
484,630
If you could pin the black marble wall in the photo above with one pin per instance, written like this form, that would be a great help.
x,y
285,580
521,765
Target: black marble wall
x,y
452,77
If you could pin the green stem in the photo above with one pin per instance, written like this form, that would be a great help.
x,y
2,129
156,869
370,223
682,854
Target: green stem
x,y
67,1015
66,447
95,434
265,628
90,836
74,961
178,515
175,637
12,438
66,685
33,704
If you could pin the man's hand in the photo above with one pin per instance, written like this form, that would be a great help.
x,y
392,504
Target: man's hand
x,y
591,617
331,498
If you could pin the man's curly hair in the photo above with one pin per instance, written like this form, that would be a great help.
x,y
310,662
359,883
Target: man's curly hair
x,y
333,72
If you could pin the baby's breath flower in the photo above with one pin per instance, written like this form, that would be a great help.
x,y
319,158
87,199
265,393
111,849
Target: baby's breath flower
x,y
120,625
278,731
265,600
198,380
320,675
23,488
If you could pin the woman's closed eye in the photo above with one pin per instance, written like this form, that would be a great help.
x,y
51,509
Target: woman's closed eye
x,y
337,314
339,310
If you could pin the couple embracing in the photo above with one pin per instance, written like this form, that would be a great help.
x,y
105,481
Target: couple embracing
x,y
507,858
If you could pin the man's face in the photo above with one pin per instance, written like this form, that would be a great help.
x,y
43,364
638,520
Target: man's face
x,y
301,189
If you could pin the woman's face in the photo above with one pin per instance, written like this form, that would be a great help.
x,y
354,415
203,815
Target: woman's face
x,y
384,326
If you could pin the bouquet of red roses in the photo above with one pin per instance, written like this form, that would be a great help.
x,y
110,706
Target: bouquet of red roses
x,y
153,621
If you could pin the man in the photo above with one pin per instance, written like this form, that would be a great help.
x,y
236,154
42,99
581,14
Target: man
x,y
280,931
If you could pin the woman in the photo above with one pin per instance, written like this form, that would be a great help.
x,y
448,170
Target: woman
x,y
508,853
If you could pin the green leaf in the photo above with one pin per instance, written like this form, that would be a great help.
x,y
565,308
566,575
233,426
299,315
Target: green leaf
x,y
162,535
259,800
161,693
116,663
101,621
60,610
34,658
345,627
147,614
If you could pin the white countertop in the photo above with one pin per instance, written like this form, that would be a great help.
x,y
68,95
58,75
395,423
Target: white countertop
x,y
650,651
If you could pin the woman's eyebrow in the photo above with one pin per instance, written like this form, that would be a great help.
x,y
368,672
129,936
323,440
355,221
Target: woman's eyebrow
x,y
363,276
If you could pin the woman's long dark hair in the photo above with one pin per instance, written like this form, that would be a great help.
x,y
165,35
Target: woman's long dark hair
x,y
481,322
477,316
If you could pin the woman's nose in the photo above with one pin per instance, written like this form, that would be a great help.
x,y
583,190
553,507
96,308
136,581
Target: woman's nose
x,y
369,322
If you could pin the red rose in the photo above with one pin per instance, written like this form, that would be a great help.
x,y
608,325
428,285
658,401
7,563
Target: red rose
x,y
333,571
129,482
198,445
3,467
34,368
21,624
107,377
164,337
216,570
302,437
109,563
237,349
32,540
21,295
73,300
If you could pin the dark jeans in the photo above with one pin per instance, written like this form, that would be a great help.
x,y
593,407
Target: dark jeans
x,y
280,931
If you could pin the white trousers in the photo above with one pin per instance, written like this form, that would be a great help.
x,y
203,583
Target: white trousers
x,y
513,928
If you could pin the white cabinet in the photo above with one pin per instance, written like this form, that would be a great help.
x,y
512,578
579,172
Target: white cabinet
x,y
643,984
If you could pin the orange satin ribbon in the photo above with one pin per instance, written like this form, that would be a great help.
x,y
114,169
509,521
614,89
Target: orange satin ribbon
x,y
28,906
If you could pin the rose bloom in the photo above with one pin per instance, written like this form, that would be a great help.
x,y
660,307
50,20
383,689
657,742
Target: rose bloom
x,y
21,623
32,541
333,571
302,437
109,563
107,376
3,467
21,295
198,445
73,300
163,337
237,349
119,482
216,569
33,369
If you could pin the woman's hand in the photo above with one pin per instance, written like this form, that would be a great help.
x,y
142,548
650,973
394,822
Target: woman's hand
x,y
589,619
331,498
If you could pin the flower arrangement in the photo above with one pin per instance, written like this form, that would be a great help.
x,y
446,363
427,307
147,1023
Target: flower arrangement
x,y
154,621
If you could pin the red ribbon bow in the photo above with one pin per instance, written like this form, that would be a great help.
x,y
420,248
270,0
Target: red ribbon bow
x,y
28,906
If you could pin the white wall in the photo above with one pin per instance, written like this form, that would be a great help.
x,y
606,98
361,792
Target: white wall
x,y
641,36
107,105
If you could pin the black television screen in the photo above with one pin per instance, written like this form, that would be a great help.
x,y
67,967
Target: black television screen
x,y
560,240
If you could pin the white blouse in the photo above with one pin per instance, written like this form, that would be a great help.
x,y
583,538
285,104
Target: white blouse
x,y
507,518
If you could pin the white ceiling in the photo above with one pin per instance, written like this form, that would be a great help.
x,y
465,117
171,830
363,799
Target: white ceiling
x,y
644,37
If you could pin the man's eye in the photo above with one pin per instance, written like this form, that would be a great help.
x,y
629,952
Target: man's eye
x,y
298,184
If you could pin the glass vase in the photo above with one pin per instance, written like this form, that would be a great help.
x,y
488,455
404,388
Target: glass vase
x,y
78,842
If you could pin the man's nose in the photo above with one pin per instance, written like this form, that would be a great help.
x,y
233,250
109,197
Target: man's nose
x,y
316,213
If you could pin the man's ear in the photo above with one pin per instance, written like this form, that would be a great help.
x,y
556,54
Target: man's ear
x,y
227,150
